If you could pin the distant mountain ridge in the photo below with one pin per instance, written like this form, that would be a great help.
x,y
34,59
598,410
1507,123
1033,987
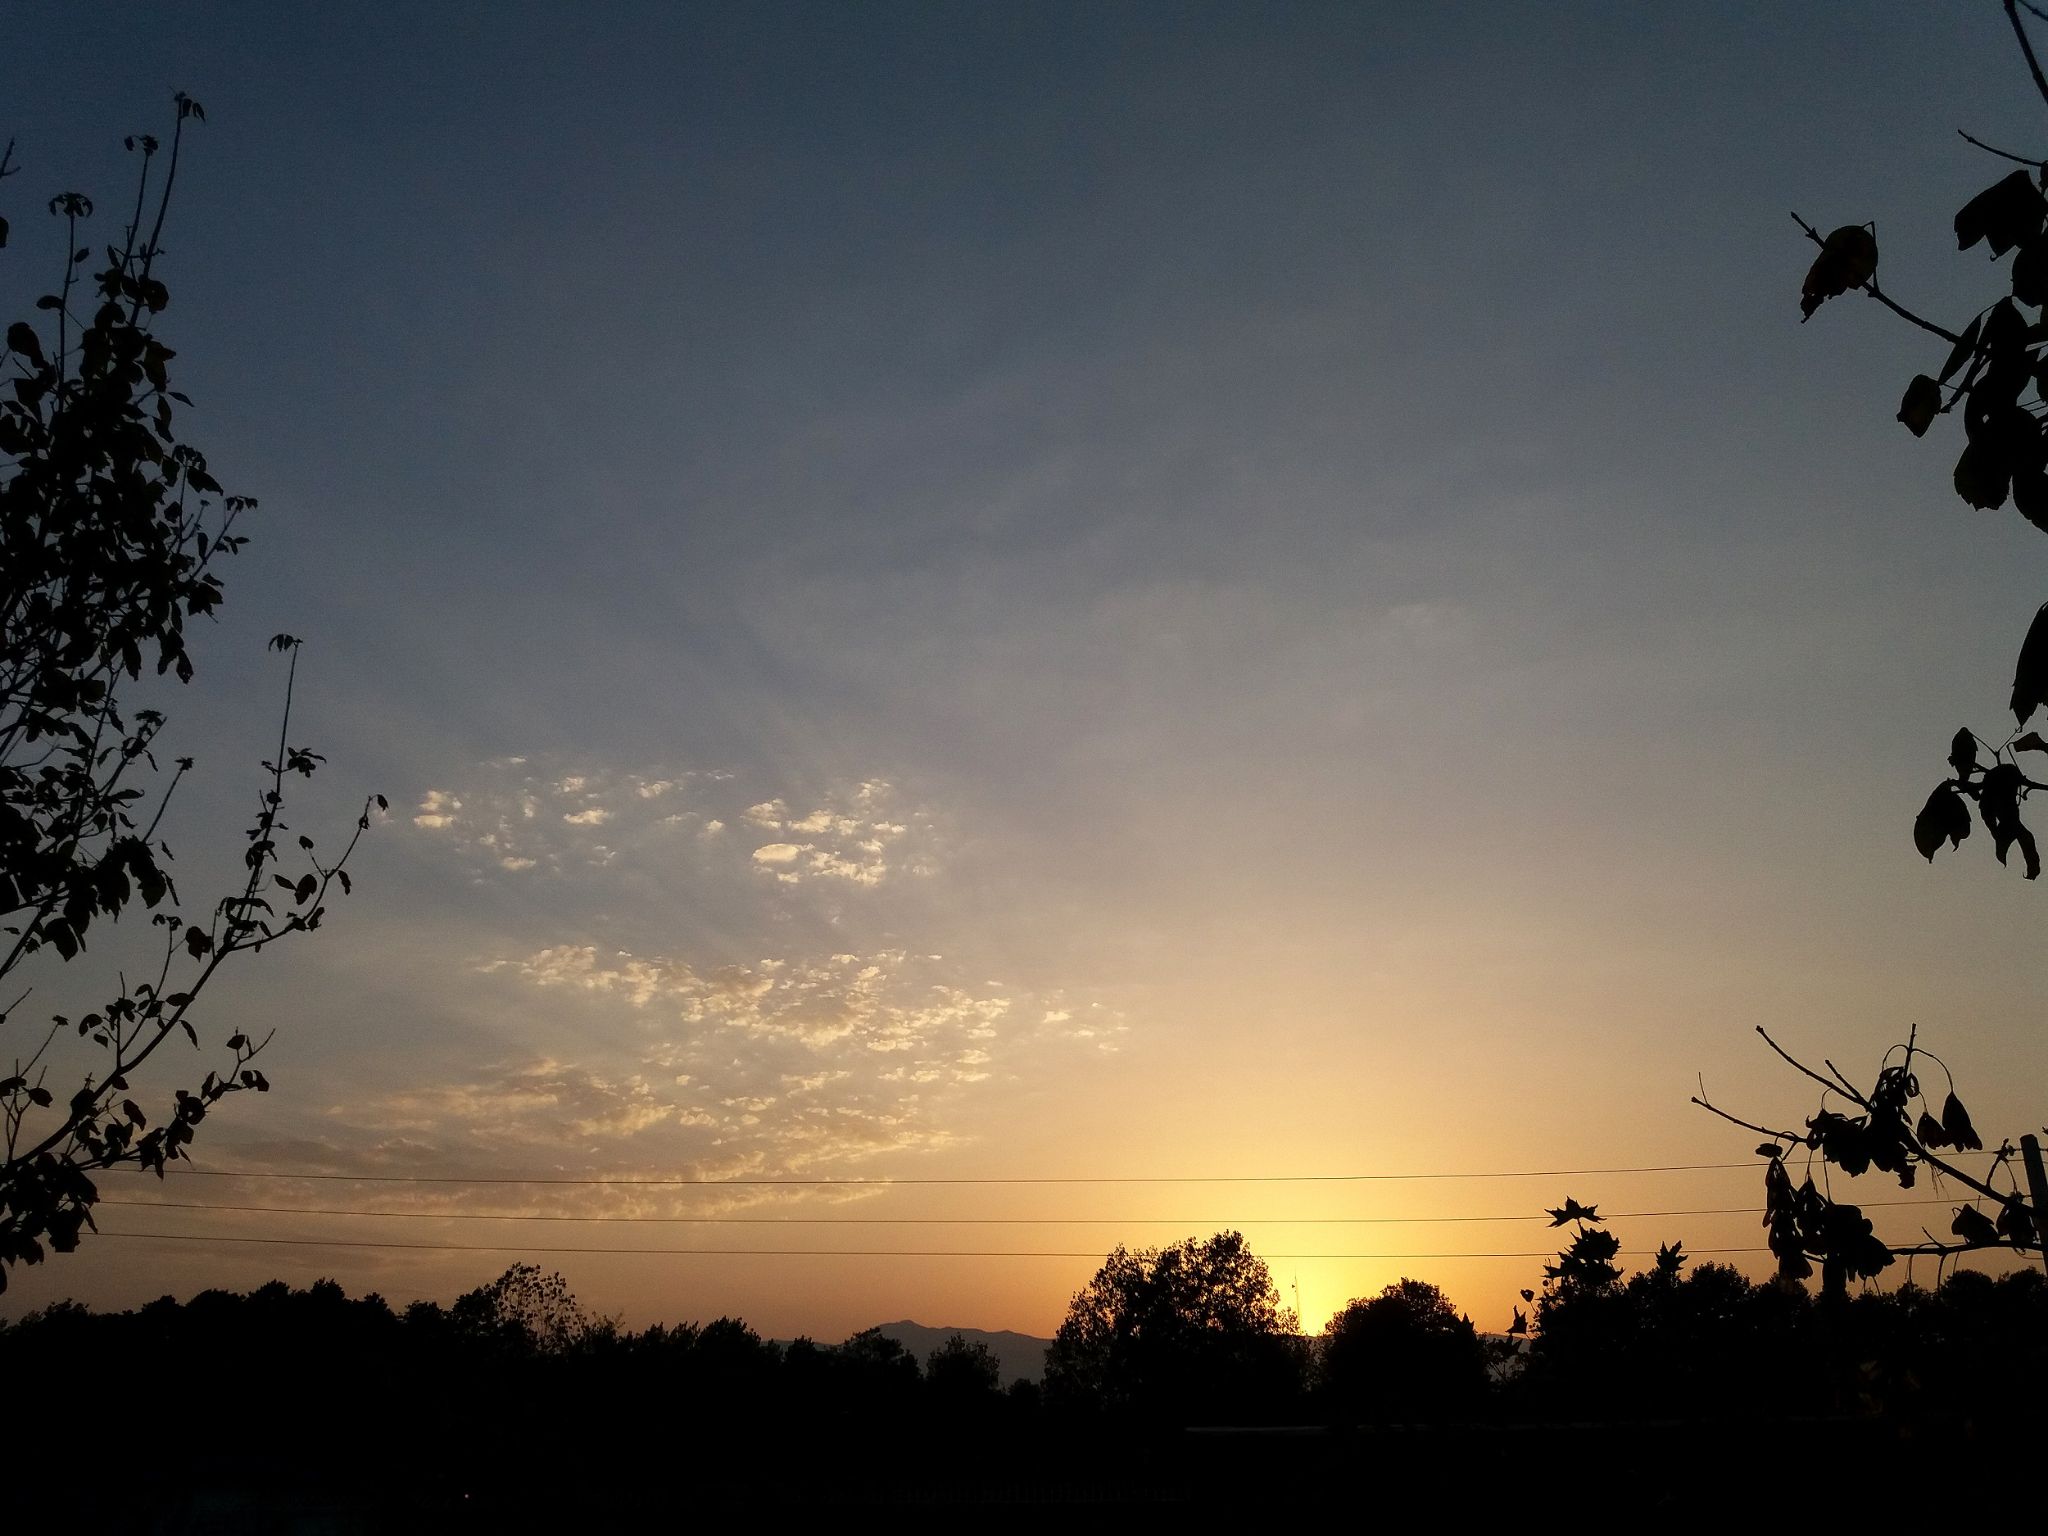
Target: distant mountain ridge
x,y
1018,1354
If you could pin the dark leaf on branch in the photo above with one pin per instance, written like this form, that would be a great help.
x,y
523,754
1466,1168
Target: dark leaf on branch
x,y
2030,273
2016,1222
198,941
1930,1132
2003,215
21,337
1945,818
2030,494
1983,476
1973,1226
1848,259
1921,405
1571,1210
1956,1121
2030,672
1962,753
1770,1149
1998,802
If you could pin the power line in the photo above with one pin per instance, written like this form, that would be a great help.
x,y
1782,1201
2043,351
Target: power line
x,y
948,1221
804,1253
884,1182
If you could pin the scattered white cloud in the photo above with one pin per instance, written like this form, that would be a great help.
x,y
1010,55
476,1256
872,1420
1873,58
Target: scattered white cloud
x,y
518,815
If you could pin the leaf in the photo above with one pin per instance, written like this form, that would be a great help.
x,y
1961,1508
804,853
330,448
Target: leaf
x,y
1973,1226
199,942
2030,273
1930,1132
1962,752
1945,818
21,337
1964,349
2031,742
2030,494
1956,1121
1770,1149
1848,259
1998,802
1571,1210
2003,215
1921,405
1983,476
2030,673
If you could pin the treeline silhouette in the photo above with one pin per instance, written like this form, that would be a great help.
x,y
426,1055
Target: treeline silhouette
x,y
515,1403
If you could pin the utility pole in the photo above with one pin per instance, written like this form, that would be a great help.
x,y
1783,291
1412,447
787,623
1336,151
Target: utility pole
x,y
2037,1190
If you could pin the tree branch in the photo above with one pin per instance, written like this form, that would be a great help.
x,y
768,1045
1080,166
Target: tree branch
x,y
1881,296
2012,14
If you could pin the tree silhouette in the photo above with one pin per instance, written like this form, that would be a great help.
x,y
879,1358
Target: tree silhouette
x,y
1187,1332
963,1371
1994,374
111,532
1405,1354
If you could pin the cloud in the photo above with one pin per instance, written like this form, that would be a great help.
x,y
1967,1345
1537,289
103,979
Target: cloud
x,y
437,810
519,814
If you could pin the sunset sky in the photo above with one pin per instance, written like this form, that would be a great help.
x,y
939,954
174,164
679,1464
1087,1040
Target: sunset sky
x,y
1062,592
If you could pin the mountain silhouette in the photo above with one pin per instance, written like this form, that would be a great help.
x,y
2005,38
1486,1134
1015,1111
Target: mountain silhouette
x,y
1019,1354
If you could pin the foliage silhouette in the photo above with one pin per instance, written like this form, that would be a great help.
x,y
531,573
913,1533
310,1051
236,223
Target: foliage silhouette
x,y
1405,1355
111,532
1995,376
1892,1128
485,1414
1188,1333
964,1371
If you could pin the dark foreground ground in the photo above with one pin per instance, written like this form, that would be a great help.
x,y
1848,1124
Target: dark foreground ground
x,y
1768,1473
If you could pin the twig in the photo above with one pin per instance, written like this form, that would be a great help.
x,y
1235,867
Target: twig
x,y
1747,1125
2019,31
2003,154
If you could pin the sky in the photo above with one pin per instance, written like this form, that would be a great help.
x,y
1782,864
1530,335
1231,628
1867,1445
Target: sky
x,y
1060,592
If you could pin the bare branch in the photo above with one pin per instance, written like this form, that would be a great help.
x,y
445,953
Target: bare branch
x,y
2003,154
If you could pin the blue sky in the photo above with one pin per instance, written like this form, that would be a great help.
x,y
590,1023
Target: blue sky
x,y
1385,642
